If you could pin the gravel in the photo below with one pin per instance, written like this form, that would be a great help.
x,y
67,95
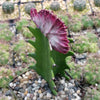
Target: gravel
x,y
38,89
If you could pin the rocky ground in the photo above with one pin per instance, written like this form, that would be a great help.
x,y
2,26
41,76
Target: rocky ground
x,y
30,86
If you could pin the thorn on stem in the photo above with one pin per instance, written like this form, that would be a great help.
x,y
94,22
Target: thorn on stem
x,y
54,65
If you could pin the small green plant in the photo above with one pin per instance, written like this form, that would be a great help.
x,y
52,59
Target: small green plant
x,y
92,38
19,72
76,27
20,24
87,22
55,6
8,7
6,34
21,27
5,77
64,19
97,22
92,94
28,7
97,3
79,5
86,43
75,70
22,48
75,24
4,54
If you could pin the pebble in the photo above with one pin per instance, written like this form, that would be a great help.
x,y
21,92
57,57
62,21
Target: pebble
x,y
41,95
62,81
8,93
34,98
78,91
39,81
16,88
27,73
48,95
19,77
61,87
25,98
11,85
38,89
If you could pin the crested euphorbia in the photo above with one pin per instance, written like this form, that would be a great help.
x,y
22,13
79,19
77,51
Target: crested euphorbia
x,y
50,30
53,28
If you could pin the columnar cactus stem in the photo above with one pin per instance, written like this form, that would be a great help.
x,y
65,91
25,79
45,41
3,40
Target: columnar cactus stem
x,y
59,60
43,61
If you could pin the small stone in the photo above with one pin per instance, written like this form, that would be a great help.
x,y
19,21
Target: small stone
x,y
29,88
19,95
34,85
36,82
28,95
21,90
43,81
61,87
61,92
16,88
72,81
11,85
39,81
78,91
41,95
38,99
39,91
25,93
8,93
34,98
28,85
29,81
62,81
19,77
72,91
25,98
49,95
66,84
66,89
23,75
70,85
17,83
14,84
75,89
9,98
27,73
63,96
25,82
48,91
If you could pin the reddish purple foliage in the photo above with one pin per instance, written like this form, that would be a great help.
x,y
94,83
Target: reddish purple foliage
x,y
53,28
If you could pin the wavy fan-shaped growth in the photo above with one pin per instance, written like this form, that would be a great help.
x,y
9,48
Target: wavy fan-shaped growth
x,y
50,31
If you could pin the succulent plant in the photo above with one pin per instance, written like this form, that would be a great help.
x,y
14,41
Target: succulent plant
x,y
6,34
49,33
22,48
87,22
55,6
4,54
97,3
79,5
5,77
28,7
8,7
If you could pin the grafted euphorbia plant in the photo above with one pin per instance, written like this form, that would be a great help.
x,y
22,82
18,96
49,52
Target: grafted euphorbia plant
x,y
50,33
